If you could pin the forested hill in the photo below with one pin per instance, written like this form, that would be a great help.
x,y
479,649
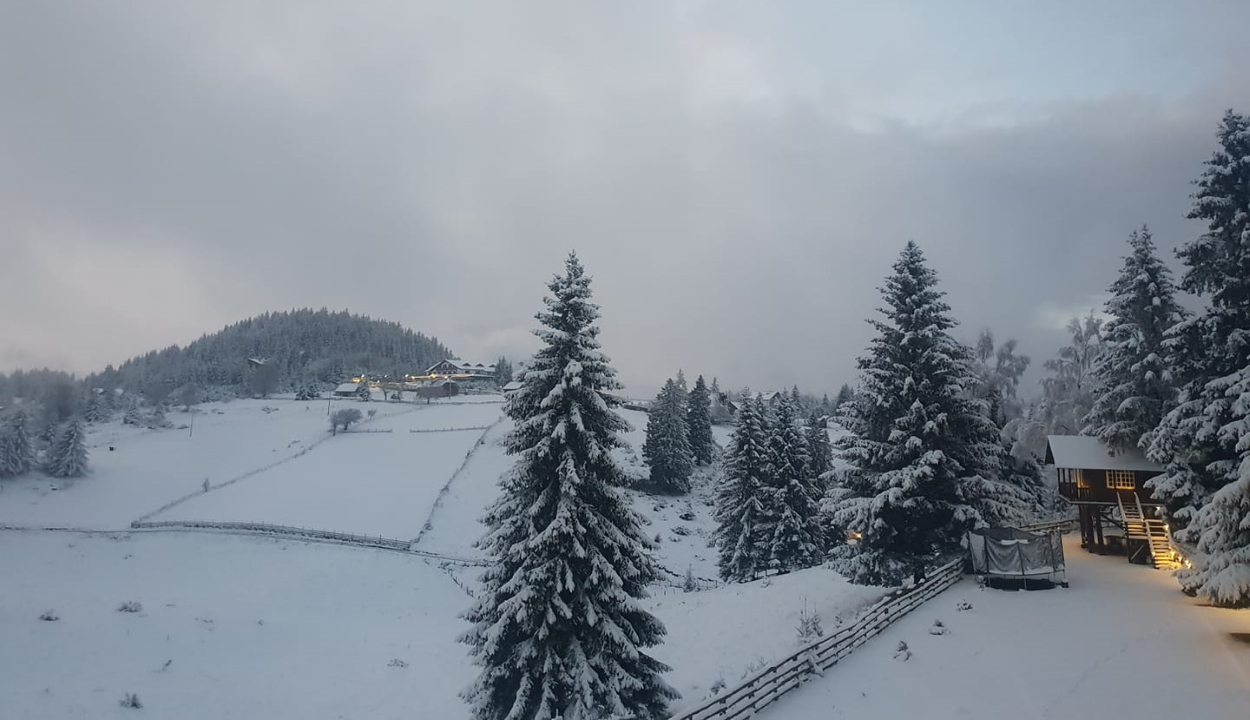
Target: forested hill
x,y
305,346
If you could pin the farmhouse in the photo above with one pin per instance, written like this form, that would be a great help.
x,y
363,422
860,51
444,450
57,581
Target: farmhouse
x,y
461,370
347,389
1117,513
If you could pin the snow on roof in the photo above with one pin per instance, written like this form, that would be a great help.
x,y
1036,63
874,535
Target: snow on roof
x,y
1081,451
514,385
465,364
347,387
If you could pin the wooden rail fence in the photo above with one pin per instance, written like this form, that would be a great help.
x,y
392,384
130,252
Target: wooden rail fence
x,y
766,686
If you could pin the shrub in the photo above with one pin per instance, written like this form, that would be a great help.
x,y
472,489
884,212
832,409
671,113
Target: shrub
x,y
130,607
130,700
49,616
343,419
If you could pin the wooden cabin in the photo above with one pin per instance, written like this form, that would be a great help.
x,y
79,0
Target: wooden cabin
x,y
1117,512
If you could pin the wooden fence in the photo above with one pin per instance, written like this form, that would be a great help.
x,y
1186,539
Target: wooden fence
x,y
766,686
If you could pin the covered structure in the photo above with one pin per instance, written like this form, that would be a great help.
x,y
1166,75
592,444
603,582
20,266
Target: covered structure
x,y
1010,557
1117,512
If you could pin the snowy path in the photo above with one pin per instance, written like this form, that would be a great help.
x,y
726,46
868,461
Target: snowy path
x,y
1121,642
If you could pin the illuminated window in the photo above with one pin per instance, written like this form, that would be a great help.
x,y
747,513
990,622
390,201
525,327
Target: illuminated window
x,y
1121,480
1081,482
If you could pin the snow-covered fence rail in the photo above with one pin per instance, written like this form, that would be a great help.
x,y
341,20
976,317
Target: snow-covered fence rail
x,y
287,530
766,686
450,429
1060,525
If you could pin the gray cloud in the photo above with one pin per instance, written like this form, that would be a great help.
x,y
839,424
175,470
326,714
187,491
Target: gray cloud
x,y
737,178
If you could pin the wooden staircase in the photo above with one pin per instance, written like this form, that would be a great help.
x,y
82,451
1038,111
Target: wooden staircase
x,y
1152,530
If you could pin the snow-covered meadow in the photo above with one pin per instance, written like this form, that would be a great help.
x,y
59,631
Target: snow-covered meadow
x,y
257,626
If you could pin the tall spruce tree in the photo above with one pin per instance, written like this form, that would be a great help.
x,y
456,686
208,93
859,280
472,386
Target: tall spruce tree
x,y
17,451
740,500
699,423
792,498
920,450
667,447
1135,386
68,455
1205,440
558,628
819,447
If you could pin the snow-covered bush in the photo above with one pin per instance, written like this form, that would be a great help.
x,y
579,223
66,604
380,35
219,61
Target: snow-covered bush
x,y
938,628
902,653
809,627
130,607
963,605
343,419
49,616
130,700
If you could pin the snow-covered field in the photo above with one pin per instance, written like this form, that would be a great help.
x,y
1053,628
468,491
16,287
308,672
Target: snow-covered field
x,y
380,482
231,627
144,469
1121,642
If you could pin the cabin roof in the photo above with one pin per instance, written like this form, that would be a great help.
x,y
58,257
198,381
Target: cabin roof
x,y
347,387
1089,453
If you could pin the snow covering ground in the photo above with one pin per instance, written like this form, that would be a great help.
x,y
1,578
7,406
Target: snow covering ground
x,y
1121,642
144,469
237,626
231,627
380,481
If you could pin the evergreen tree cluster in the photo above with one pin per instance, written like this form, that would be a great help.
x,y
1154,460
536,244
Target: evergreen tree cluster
x,y
558,628
768,502
679,434
1203,439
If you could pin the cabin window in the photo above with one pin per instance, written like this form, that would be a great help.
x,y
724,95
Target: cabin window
x,y
1081,482
1121,480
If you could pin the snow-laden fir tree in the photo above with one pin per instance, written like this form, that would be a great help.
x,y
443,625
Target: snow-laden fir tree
x,y
792,497
699,423
845,394
132,416
558,627
1134,384
96,409
68,455
667,447
17,451
1205,440
922,452
740,534
819,448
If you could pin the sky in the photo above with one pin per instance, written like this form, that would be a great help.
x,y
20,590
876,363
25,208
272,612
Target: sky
x,y
737,177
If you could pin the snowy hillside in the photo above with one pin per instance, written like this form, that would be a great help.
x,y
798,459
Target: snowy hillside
x,y
263,627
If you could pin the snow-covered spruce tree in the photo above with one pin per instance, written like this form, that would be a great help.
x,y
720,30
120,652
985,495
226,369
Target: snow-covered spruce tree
x,y
558,628
96,409
1134,383
819,448
740,508
792,503
68,455
667,447
1205,440
921,451
17,451
699,423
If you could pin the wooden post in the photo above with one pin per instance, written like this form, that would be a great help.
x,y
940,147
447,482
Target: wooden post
x,y
1102,547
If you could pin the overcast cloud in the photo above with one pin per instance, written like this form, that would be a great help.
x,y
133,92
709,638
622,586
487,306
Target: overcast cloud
x,y
738,177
